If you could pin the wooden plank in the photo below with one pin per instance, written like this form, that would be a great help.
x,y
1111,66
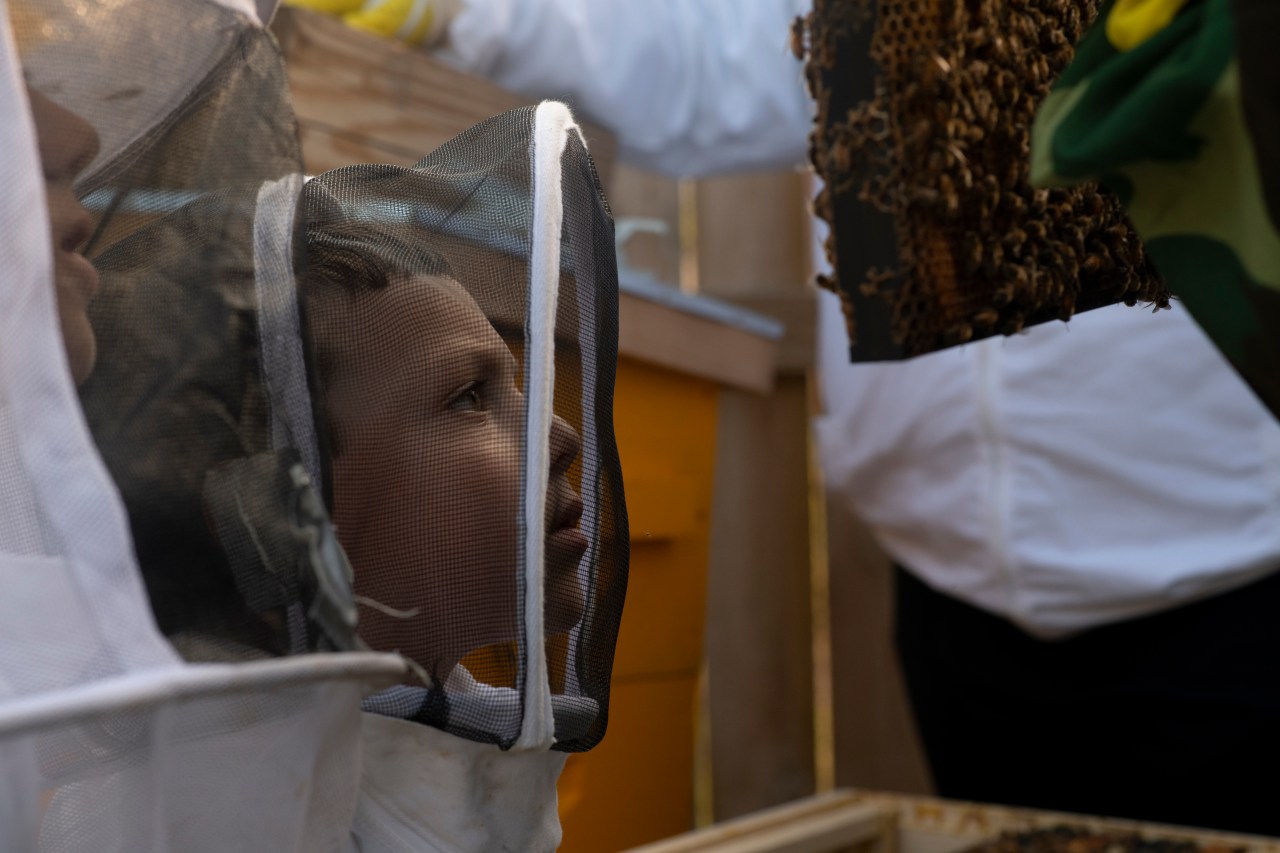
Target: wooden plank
x,y
900,823
934,825
758,636
752,233
798,311
361,98
660,335
753,250
876,743
829,823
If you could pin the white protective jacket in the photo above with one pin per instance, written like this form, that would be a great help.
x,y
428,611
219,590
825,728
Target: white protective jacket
x,y
1072,476
689,86
423,790
427,791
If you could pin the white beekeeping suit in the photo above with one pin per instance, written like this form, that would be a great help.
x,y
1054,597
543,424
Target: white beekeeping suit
x,y
690,87
116,114
462,321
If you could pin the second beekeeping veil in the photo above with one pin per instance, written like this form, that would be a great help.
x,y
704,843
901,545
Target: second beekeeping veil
x,y
462,325
150,179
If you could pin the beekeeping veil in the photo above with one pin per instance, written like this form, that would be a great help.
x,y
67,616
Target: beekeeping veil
x,y
154,139
462,322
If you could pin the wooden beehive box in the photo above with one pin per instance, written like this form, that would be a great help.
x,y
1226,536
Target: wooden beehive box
x,y
851,821
931,825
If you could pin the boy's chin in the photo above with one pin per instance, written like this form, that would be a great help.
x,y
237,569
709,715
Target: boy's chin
x,y
564,605
81,348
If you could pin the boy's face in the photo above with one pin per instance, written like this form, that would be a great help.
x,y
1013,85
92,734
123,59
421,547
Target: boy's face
x,y
429,425
67,145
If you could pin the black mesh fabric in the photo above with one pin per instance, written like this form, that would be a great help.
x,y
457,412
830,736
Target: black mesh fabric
x,y
421,317
152,180
194,401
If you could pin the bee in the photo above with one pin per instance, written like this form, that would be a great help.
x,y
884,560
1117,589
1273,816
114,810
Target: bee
x,y
973,254
1042,73
950,199
797,37
987,317
1014,237
995,257
1017,276
1072,24
1015,323
1070,269
1013,204
961,333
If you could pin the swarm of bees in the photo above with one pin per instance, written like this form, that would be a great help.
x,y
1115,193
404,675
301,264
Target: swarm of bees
x,y
943,147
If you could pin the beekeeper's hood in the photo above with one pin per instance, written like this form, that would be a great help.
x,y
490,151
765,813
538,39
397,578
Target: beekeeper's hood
x,y
461,320
174,495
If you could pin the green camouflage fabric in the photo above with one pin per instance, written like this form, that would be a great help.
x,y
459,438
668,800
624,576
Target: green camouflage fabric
x,y
1175,106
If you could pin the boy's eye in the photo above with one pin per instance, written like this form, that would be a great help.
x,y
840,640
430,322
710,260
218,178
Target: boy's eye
x,y
470,396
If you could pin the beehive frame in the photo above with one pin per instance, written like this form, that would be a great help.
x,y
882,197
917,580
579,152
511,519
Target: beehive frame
x,y
923,142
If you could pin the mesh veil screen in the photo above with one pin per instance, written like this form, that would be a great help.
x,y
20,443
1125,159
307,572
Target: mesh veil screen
x,y
169,158
424,330
922,139
194,404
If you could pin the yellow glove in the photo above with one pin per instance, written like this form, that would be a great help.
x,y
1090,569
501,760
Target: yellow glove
x,y
330,7
419,22
1131,22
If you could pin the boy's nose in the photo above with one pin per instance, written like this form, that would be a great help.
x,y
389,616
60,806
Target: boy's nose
x,y
565,445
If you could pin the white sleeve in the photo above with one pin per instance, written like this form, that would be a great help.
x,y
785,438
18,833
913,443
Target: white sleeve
x,y
690,87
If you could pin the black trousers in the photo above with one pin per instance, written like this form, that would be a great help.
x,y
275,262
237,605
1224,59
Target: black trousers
x,y
1173,717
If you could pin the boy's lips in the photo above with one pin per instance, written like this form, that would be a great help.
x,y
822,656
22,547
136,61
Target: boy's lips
x,y
565,538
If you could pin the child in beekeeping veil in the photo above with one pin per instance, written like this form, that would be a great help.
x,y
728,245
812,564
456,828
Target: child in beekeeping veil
x,y
454,311
426,423
425,416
